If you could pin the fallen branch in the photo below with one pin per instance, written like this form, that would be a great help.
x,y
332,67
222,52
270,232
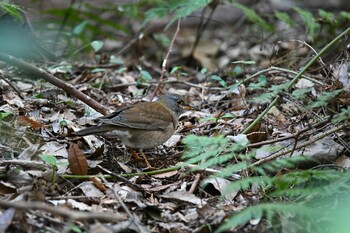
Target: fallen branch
x,y
71,214
288,150
40,73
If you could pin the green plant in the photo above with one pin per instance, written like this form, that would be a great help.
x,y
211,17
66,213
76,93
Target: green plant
x,y
12,9
178,9
52,161
300,196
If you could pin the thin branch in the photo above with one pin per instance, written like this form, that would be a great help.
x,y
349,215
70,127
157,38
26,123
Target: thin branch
x,y
71,214
122,179
195,183
295,135
287,150
297,77
14,87
132,217
313,50
40,73
165,61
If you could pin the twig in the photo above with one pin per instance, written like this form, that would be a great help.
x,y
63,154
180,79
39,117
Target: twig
x,y
287,150
195,183
200,29
148,173
121,178
295,135
14,87
40,73
313,50
297,77
71,214
165,61
132,217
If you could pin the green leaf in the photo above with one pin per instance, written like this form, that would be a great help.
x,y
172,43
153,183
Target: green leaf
x,y
278,88
343,116
162,39
97,45
204,70
174,69
4,114
228,115
206,119
80,27
76,229
176,8
49,159
237,70
301,93
310,22
345,15
219,79
263,98
324,99
284,17
145,76
254,17
116,60
244,62
262,82
63,123
98,70
12,9
327,16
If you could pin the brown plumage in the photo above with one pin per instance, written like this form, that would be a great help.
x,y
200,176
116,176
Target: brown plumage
x,y
143,125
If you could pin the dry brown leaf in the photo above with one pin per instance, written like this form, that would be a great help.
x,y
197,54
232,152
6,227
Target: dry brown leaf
x,y
77,161
23,120
7,188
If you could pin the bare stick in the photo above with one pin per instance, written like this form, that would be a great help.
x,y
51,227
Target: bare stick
x,y
71,214
122,179
133,218
14,87
195,183
40,73
165,61
294,135
287,150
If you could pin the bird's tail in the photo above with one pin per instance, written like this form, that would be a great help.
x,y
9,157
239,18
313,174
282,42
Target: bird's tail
x,y
92,130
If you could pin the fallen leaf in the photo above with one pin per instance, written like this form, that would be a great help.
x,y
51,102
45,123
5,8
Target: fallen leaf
x,y
184,196
77,161
24,120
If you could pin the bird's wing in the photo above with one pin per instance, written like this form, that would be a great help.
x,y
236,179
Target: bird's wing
x,y
147,115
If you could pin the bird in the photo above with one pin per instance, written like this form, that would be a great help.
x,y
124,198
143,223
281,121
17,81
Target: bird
x,y
143,125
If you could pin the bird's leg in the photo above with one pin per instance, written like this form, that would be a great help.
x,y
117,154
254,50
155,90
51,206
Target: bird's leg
x,y
134,154
149,166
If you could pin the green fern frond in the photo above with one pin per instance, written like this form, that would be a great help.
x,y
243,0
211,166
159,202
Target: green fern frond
x,y
215,161
232,169
254,17
12,9
209,152
178,8
269,210
247,182
277,164
324,99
